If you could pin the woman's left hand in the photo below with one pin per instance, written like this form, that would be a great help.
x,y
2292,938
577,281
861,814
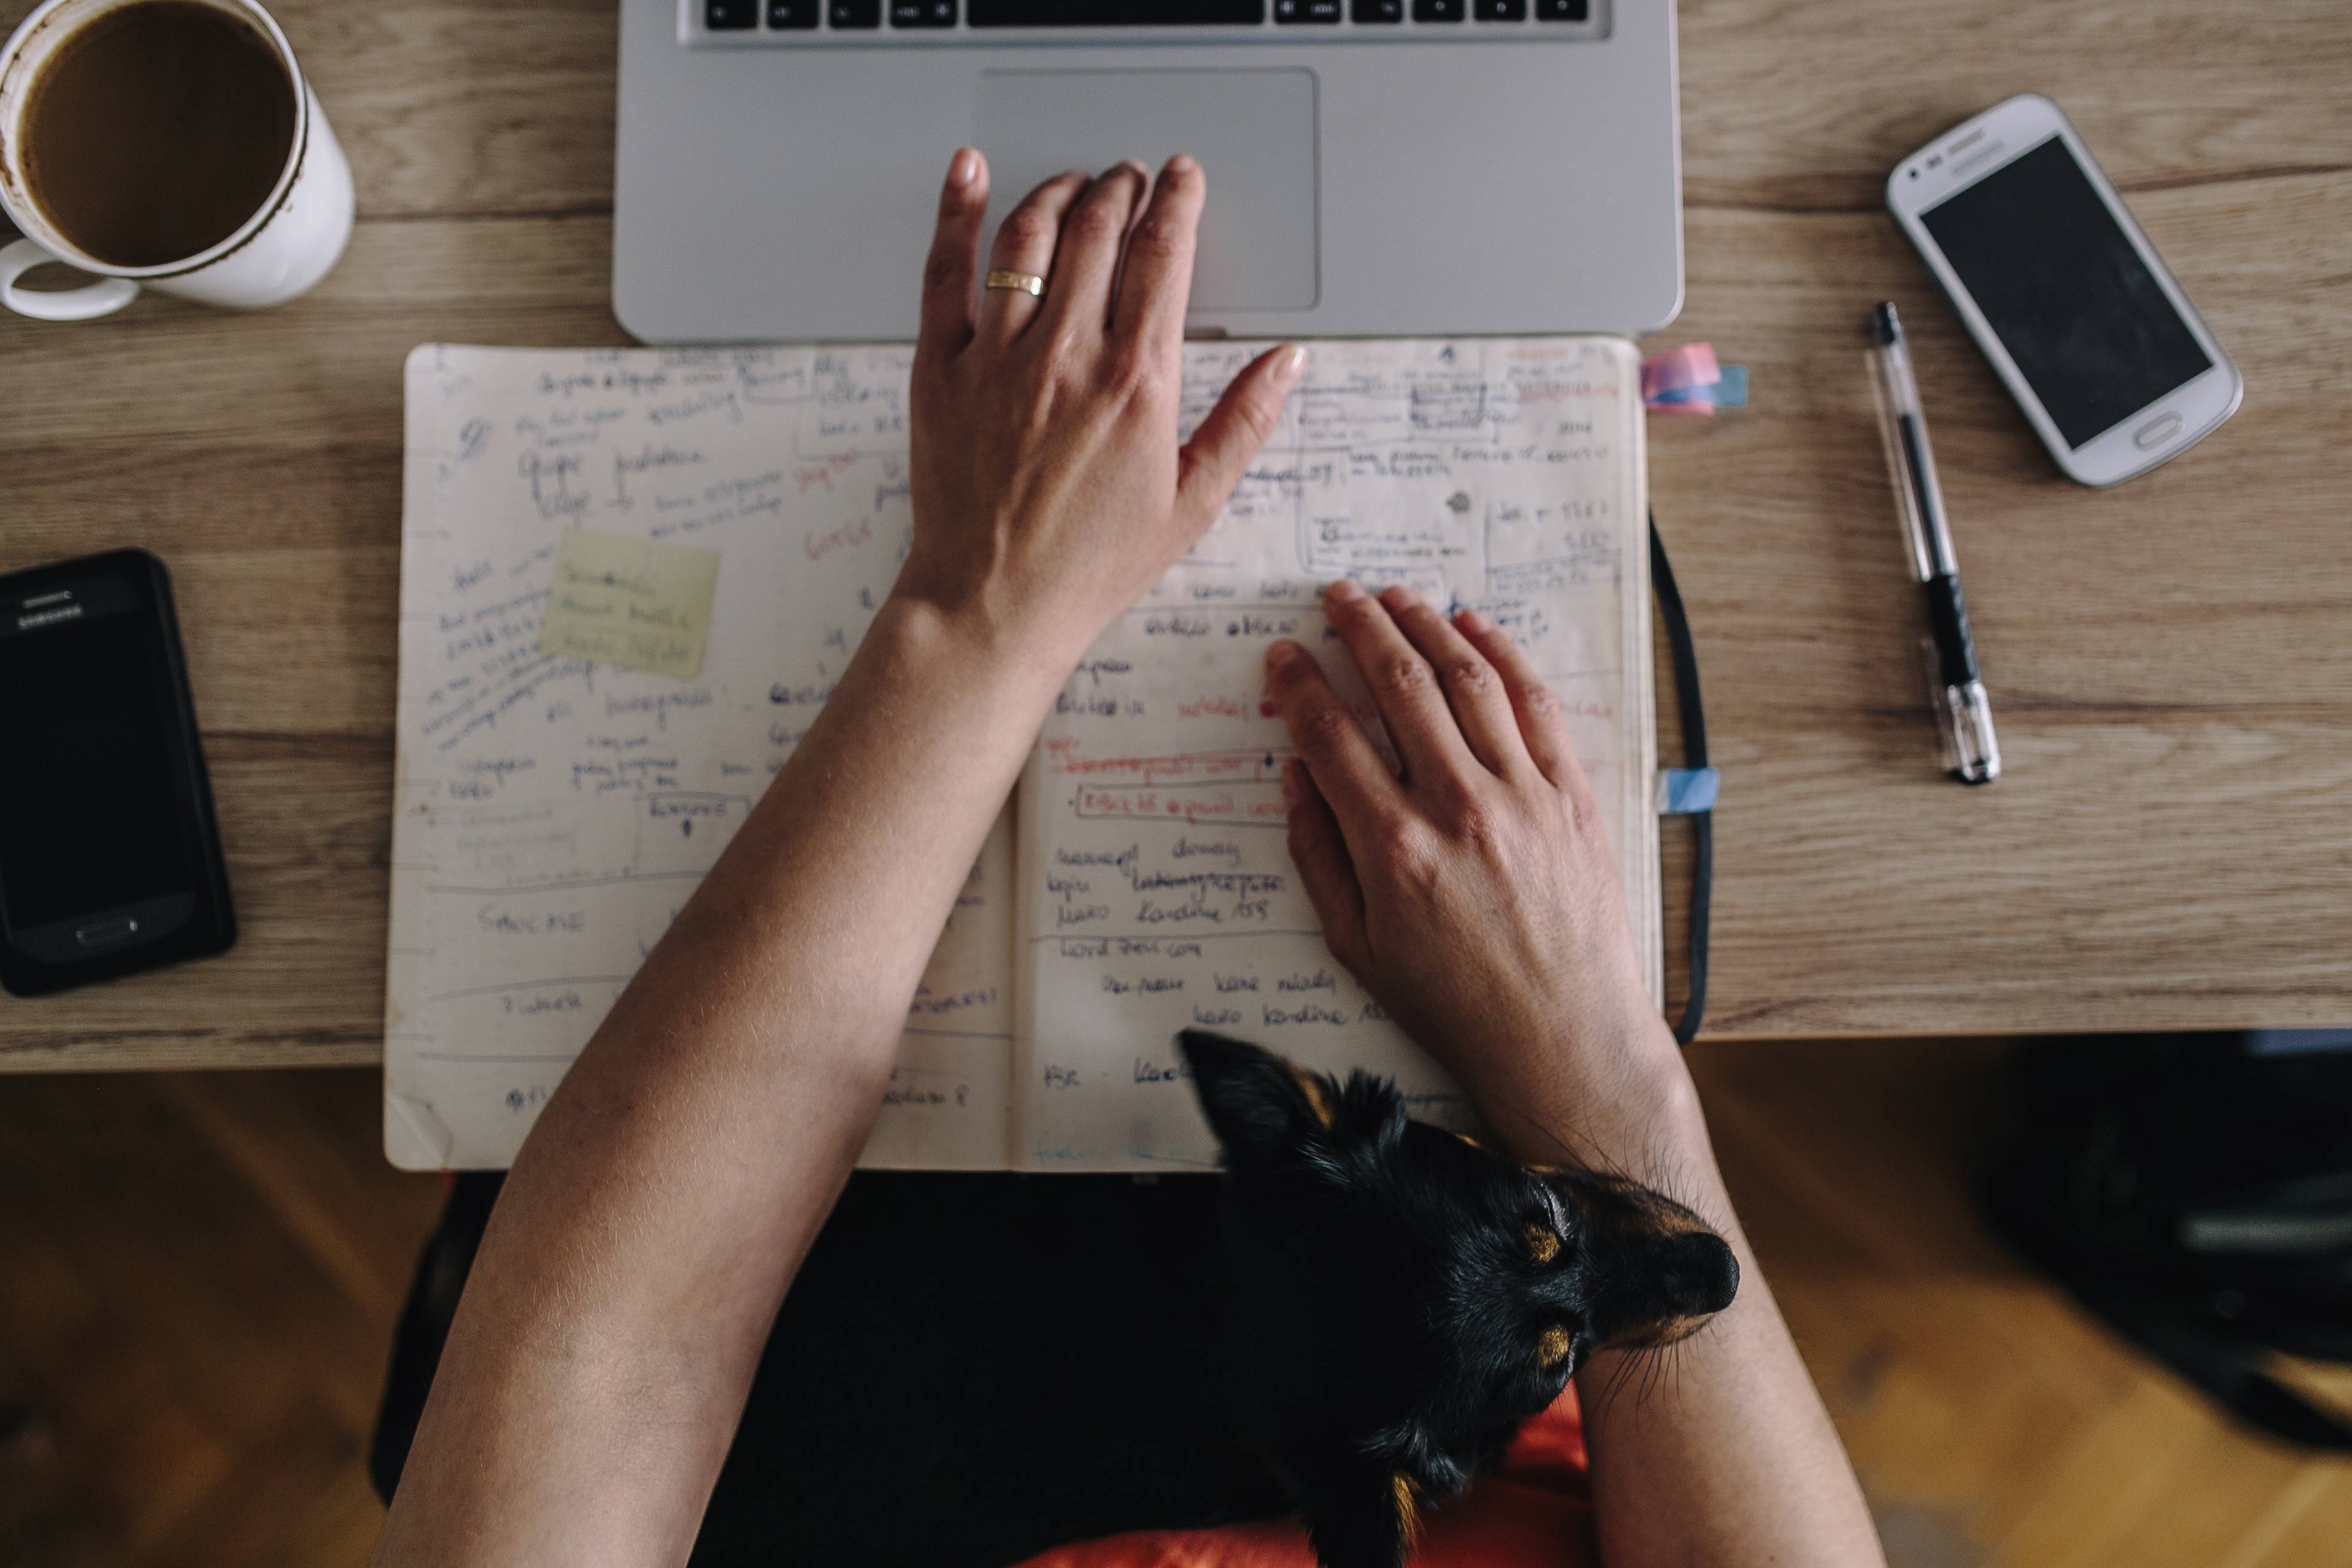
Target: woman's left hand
x,y
1049,489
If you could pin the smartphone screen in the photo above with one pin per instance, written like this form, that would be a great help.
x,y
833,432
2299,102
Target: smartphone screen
x,y
90,819
2064,289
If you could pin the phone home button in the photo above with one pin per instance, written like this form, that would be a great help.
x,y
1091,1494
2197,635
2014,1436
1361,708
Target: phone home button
x,y
106,934
2157,431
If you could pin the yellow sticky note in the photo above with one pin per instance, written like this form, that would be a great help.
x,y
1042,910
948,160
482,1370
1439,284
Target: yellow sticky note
x,y
629,601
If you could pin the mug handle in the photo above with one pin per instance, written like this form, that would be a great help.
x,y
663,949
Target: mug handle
x,y
103,298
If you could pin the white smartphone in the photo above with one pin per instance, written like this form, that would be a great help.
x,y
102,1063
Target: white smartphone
x,y
2063,291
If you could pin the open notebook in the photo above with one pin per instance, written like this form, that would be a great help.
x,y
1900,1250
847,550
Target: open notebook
x,y
553,814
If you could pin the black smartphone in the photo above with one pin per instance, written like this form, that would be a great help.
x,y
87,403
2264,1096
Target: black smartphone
x,y
109,861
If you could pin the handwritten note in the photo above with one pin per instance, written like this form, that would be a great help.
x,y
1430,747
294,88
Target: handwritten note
x,y
556,805
629,601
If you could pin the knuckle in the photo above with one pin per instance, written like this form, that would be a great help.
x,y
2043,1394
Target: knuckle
x,y
942,272
1403,845
1322,727
1156,240
1261,411
1584,807
1027,230
1304,844
1469,677
1400,674
1096,220
1479,823
1072,356
1132,366
1539,703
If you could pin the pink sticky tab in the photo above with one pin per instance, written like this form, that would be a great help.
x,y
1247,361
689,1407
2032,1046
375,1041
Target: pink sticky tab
x,y
1692,364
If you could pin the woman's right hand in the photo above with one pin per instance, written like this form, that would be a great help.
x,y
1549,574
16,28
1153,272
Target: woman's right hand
x,y
1049,487
1475,896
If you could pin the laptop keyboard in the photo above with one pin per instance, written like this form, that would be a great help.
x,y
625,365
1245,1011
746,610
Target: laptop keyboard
x,y
1000,21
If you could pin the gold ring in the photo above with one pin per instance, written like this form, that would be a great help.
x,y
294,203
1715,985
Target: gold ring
x,y
1029,283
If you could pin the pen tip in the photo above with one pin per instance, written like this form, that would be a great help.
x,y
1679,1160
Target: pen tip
x,y
1885,328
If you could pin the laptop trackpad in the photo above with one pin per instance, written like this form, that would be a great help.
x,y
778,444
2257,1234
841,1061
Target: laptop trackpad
x,y
1253,131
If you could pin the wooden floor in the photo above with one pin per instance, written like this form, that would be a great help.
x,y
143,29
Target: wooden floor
x,y
199,1273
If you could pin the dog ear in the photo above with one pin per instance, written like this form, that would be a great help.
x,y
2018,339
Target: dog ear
x,y
1261,1109
1359,1514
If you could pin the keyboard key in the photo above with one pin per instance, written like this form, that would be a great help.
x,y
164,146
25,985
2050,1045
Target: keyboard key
x,y
1378,10
730,15
922,13
1437,10
1502,10
1116,13
1305,10
1563,10
854,14
794,15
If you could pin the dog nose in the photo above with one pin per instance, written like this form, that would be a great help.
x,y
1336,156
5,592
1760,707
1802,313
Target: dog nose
x,y
1709,1274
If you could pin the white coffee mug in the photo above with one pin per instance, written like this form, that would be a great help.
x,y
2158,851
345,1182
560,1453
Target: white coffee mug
x,y
291,242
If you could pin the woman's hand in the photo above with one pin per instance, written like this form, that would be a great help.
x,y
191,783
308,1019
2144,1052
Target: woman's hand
x,y
1475,896
1049,490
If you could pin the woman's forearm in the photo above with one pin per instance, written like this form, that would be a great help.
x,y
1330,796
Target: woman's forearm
x,y
1723,1453
648,1232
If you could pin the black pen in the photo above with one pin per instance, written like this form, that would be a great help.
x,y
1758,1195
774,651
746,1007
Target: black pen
x,y
1955,690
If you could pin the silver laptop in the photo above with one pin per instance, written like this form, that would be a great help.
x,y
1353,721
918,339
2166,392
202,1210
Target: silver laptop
x,y
1375,167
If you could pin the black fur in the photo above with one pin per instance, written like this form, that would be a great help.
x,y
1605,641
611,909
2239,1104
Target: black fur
x,y
1399,1300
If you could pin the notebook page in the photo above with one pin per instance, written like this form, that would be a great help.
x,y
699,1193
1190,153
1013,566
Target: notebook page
x,y
1156,887
551,815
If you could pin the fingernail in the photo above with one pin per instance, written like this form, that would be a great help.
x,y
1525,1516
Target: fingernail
x,y
1292,364
1283,654
1345,591
1135,166
1475,622
1182,165
964,167
1400,597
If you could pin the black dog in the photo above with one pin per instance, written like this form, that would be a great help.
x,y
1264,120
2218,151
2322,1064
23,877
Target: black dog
x,y
1398,1299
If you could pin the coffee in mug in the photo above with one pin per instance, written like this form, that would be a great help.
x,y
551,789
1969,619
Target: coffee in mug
x,y
171,142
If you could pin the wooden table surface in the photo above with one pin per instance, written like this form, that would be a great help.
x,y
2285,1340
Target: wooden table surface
x,y
2170,662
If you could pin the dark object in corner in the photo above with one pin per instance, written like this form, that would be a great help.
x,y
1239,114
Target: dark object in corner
x,y
2198,1196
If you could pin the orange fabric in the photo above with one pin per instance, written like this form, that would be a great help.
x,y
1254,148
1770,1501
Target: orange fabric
x,y
1534,1512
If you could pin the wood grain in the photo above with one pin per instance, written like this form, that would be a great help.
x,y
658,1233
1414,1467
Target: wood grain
x,y
2170,662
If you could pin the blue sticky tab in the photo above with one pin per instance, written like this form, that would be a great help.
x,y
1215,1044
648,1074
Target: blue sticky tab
x,y
1732,392
1685,792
